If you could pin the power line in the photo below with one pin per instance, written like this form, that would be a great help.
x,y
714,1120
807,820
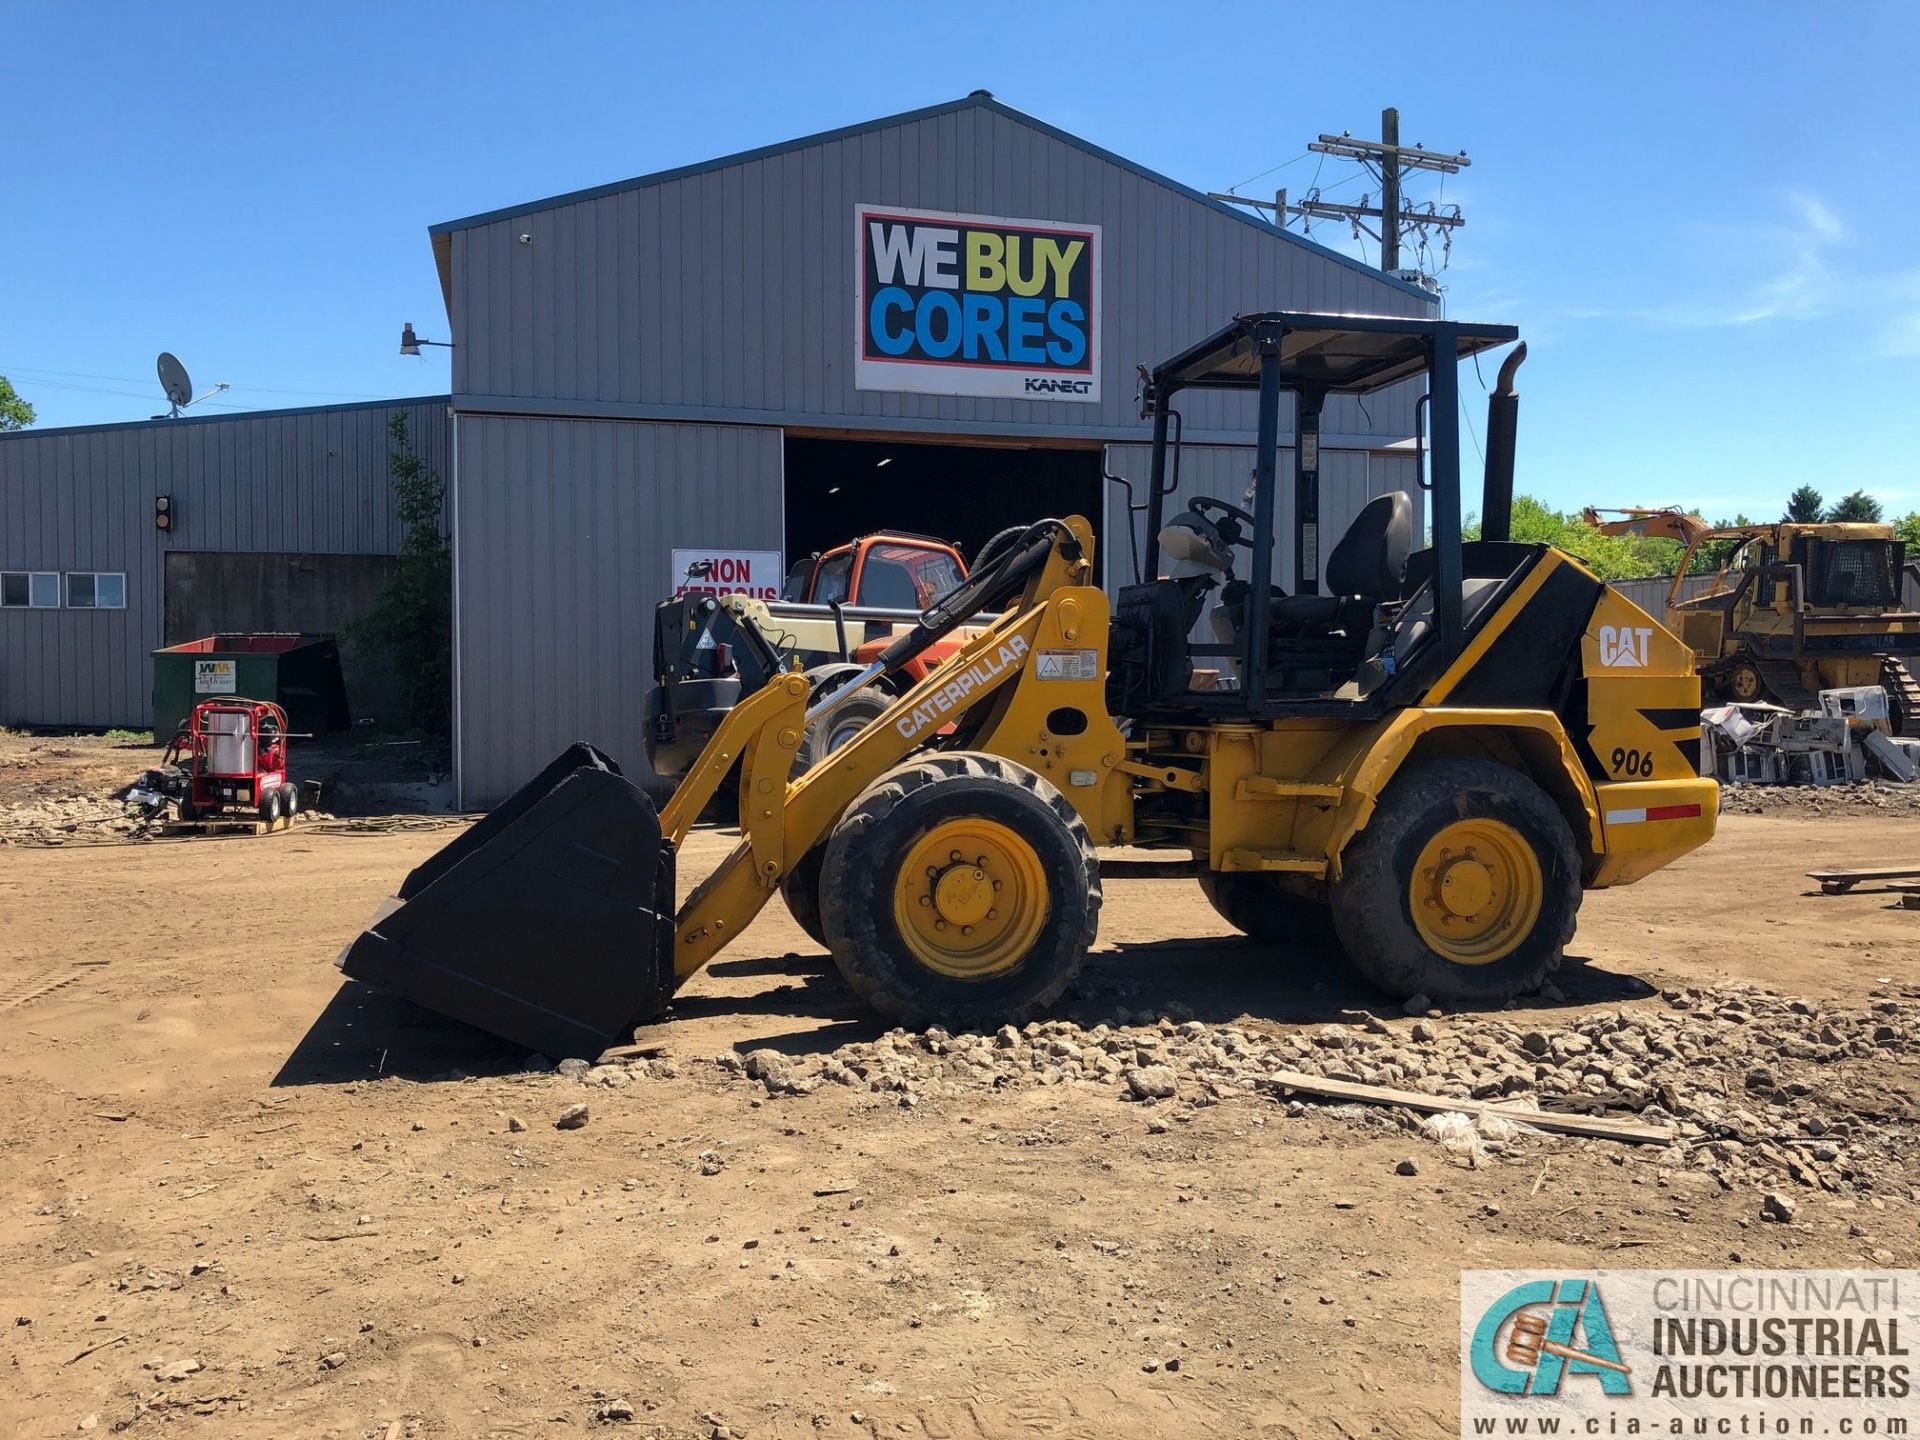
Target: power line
x,y
38,371
1264,173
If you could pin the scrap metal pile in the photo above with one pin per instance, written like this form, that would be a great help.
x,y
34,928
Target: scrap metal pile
x,y
1846,739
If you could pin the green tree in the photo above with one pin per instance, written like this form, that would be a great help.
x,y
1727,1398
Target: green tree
x,y
1907,528
15,413
411,623
1859,506
1611,557
1805,505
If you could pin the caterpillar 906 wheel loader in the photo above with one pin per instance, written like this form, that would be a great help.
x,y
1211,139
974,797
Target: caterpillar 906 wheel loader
x,y
1441,748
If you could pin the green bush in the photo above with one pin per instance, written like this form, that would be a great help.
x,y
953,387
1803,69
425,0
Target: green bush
x,y
411,623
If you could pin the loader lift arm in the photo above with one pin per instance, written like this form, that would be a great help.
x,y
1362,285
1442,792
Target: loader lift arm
x,y
578,868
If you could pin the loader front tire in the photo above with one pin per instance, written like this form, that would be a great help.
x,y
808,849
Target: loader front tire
x,y
1255,905
1463,886
961,888
800,888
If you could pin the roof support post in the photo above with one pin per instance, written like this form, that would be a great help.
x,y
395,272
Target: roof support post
x,y
1443,388
1156,491
1260,596
1306,490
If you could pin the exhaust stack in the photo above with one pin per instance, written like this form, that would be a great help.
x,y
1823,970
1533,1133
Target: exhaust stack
x,y
1503,423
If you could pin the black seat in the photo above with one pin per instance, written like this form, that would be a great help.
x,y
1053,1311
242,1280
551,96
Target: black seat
x,y
1369,565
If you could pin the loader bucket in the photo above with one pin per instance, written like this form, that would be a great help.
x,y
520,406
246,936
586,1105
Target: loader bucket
x,y
549,923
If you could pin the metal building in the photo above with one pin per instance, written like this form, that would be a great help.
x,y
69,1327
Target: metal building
x,y
277,515
930,321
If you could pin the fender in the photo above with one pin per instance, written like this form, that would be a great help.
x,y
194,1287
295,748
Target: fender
x,y
1539,734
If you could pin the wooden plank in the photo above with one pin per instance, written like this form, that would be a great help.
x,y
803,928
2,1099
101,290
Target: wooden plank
x,y
1838,882
1592,1126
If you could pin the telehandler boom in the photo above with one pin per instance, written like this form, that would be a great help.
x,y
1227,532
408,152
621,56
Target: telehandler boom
x,y
1444,751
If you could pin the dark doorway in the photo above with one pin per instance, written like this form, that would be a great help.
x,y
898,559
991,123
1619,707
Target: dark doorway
x,y
840,489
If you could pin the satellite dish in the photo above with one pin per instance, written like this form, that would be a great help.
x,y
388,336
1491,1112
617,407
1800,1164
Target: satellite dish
x,y
174,380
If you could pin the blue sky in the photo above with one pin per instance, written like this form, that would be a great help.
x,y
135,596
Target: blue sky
x,y
1700,215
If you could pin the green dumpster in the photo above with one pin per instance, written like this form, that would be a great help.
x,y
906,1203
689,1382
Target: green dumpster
x,y
301,673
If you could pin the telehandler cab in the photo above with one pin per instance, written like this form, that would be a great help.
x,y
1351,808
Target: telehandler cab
x,y
1444,749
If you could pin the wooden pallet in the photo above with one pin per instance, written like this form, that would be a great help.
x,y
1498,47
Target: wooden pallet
x,y
1839,882
229,825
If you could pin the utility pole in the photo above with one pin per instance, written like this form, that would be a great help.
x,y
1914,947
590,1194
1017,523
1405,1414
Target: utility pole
x,y
1387,160
1390,187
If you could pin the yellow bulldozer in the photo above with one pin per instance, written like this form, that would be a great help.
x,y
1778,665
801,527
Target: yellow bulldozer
x,y
1440,747
1791,608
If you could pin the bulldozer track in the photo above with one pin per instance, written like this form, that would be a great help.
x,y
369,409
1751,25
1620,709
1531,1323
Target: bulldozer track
x,y
1903,690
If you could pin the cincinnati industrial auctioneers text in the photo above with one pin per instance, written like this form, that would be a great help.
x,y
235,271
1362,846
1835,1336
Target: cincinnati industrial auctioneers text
x,y
1756,1339
1688,1352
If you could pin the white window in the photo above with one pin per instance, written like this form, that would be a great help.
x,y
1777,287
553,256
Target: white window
x,y
96,590
31,589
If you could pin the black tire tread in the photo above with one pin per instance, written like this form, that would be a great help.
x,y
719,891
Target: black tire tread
x,y
849,895
800,888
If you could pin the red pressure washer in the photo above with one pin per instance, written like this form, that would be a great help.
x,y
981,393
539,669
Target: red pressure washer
x,y
235,755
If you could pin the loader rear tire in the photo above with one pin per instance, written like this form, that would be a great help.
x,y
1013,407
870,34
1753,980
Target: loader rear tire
x,y
961,888
1255,905
1463,886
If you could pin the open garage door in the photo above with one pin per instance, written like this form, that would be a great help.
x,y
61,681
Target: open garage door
x,y
838,489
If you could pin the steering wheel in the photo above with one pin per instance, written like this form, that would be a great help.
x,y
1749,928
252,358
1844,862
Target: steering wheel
x,y
1229,523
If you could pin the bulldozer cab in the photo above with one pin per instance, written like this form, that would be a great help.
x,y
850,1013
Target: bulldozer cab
x,y
1370,618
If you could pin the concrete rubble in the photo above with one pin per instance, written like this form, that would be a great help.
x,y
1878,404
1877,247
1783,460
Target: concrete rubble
x,y
1761,1091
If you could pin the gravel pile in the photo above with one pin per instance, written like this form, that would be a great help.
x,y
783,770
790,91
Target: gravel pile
x,y
1759,1089
74,818
1869,797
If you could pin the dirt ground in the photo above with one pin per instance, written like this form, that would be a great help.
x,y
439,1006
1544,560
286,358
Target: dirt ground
x,y
66,789
243,1197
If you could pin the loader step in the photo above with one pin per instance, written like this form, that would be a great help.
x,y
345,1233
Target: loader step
x,y
1273,860
1265,787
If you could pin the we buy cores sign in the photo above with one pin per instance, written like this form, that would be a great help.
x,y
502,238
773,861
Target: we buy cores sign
x,y
727,572
949,304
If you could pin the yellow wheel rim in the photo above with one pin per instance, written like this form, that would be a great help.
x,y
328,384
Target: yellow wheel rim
x,y
1745,684
970,898
1476,891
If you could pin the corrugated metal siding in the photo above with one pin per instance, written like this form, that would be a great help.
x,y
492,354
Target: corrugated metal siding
x,y
732,290
1348,479
311,481
564,531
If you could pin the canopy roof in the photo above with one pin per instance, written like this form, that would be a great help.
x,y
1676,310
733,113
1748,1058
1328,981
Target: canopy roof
x,y
1350,354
